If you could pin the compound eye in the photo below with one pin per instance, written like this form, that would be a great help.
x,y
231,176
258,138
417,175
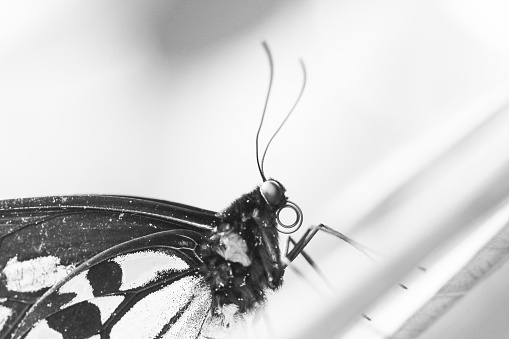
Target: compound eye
x,y
271,192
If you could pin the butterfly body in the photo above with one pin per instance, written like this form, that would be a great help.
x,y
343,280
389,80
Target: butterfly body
x,y
109,266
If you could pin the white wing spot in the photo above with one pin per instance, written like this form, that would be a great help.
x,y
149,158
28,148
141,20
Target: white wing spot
x,y
107,305
5,313
78,285
42,330
34,274
140,268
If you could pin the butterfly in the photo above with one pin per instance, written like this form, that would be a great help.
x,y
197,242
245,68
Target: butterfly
x,y
98,266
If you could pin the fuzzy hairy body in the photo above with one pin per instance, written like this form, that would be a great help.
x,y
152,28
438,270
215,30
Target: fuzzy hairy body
x,y
241,273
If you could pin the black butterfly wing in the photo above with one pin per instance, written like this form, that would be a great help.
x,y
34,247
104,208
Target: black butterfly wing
x,y
42,240
145,288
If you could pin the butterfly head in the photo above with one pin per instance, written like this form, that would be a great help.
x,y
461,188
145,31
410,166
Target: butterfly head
x,y
272,192
274,195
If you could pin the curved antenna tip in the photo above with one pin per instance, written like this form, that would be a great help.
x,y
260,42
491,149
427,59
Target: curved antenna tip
x,y
271,65
304,81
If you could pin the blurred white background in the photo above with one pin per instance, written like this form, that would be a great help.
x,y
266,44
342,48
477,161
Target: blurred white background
x,y
163,98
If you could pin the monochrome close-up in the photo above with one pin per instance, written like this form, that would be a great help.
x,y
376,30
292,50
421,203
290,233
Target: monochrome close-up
x,y
263,169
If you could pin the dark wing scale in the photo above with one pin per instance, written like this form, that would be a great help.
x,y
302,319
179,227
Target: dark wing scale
x,y
57,234
106,295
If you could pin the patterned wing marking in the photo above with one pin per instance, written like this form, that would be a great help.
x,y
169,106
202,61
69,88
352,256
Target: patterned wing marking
x,y
33,275
123,273
150,282
191,322
160,314
78,321
43,239
154,262
177,310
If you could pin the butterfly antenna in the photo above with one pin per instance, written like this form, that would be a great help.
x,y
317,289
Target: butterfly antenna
x,y
271,64
289,113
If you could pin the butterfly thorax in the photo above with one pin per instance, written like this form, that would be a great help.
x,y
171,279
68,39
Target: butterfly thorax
x,y
242,257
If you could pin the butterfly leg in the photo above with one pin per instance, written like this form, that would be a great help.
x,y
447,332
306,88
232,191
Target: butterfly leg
x,y
294,243
299,246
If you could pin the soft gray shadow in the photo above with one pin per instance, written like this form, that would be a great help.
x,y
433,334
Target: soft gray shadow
x,y
188,26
